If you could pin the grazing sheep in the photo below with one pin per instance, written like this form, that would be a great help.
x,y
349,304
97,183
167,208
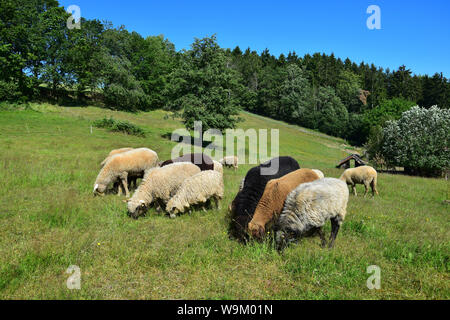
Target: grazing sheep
x,y
118,182
123,164
197,190
365,175
159,185
319,173
230,161
203,161
218,167
113,153
308,207
272,201
245,202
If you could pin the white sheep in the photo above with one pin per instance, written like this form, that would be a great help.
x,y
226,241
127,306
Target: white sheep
x,y
113,153
230,161
308,207
365,175
319,173
121,165
159,185
197,190
218,167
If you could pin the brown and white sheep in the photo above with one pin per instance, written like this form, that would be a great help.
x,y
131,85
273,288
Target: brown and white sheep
x,y
121,165
365,175
272,201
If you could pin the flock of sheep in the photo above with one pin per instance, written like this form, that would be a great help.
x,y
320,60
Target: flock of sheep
x,y
292,202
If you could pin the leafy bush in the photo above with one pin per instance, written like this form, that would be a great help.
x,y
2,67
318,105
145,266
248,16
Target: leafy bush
x,y
120,126
418,141
9,91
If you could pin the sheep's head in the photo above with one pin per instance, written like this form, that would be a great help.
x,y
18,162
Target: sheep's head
x,y
176,207
99,190
285,236
281,240
256,230
137,208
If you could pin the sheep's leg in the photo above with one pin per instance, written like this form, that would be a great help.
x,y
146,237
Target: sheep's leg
x,y
217,203
117,187
322,237
124,178
366,187
335,224
160,205
354,189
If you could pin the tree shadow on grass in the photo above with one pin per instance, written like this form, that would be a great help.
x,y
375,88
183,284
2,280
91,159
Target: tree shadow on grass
x,y
186,139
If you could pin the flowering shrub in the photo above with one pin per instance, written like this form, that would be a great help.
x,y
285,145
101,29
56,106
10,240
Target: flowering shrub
x,y
418,141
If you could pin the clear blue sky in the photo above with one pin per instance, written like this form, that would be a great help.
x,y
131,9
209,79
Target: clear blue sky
x,y
414,33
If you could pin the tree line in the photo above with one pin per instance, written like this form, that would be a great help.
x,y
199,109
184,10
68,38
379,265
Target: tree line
x,y
42,59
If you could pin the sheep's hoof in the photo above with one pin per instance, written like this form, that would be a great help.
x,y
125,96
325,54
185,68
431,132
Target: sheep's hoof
x,y
173,216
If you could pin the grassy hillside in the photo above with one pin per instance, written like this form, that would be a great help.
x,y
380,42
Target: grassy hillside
x,y
50,220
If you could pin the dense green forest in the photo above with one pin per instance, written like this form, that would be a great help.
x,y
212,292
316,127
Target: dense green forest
x,y
42,59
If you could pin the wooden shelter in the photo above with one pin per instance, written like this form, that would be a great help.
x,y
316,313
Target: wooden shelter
x,y
345,163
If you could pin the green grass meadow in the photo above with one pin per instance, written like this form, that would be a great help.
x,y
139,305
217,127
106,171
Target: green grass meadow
x,y
50,220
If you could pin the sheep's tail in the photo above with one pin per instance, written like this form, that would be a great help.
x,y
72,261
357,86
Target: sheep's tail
x,y
373,185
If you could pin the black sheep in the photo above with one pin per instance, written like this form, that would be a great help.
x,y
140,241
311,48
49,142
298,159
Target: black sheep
x,y
245,202
201,160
